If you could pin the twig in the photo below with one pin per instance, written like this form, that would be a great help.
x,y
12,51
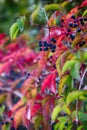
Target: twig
x,y
17,93
81,82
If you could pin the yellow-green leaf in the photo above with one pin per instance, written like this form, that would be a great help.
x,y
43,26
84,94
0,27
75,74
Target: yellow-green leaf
x,y
55,112
52,7
68,65
62,82
75,95
14,31
84,13
75,71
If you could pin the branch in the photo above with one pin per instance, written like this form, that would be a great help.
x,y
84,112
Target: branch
x,y
81,82
17,93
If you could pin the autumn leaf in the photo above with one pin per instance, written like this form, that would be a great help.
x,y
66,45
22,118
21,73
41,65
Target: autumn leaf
x,y
84,3
49,82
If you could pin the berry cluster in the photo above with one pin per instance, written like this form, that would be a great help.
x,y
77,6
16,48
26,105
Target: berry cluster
x,y
75,26
45,46
6,120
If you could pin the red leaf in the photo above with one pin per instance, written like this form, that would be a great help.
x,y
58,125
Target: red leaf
x,y
84,3
39,97
2,35
49,82
9,113
35,109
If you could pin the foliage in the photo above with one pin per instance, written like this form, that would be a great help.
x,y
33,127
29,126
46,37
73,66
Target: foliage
x,y
46,89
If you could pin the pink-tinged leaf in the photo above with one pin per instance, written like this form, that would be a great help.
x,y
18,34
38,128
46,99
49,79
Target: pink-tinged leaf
x,y
84,3
27,84
18,117
49,83
48,102
35,109
72,12
6,67
27,114
30,56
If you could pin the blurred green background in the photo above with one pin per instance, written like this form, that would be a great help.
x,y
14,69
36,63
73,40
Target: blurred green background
x,y
10,10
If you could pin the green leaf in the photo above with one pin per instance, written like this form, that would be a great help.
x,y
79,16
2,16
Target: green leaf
x,y
2,110
79,127
82,116
6,127
68,65
21,22
66,109
58,109
56,126
62,125
52,7
38,120
84,13
39,16
84,56
75,71
74,95
55,112
62,121
14,31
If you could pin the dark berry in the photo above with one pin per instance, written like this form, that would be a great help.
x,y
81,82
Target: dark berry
x,y
53,50
66,124
40,41
51,46
12,72
50,57
72,36
62,20
45,43
81,19
11,118
27,76
40,44
40,49
45,49
73,16
78,29
53,40
75,25
70,24
76,20
82,23
81,44
68,30
64,114
61,25
54,47
54,66
6,122
2,123
85,19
